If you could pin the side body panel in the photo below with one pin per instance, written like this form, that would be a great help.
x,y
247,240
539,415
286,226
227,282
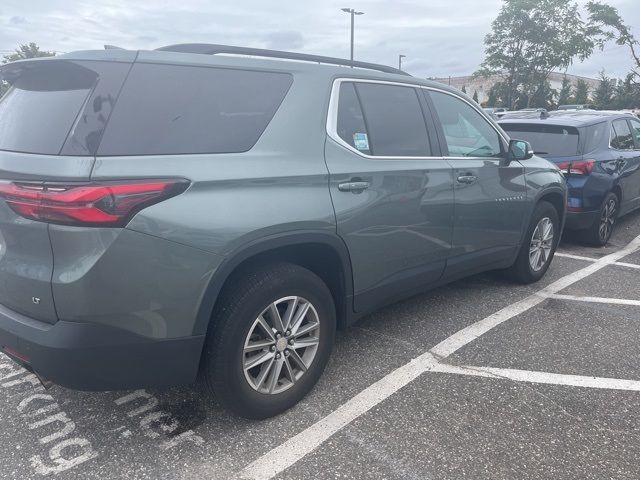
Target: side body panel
x,y
398,231
279,187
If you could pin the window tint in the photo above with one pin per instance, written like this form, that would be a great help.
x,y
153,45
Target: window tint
x,y
596,136
467,132
42,104
351,126
394,120
621,138
167,109
635,130
546,140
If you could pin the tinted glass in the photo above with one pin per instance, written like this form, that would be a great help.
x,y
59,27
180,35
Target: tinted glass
x,y
595,136
621,138
546,140
635,130
166,109
394,120
85,135
351,126
466,131
40,108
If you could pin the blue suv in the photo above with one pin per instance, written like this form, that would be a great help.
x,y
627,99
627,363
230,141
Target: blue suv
x,y
599,154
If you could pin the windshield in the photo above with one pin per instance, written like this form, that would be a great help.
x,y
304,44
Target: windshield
x,y
546,140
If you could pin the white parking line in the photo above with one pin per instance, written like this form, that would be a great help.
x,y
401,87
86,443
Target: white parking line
x,y
575,257
528,376
295,448
613,301
629,265
589,259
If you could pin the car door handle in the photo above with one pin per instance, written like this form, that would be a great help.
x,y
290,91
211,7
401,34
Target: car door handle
x,y
467,178
355,187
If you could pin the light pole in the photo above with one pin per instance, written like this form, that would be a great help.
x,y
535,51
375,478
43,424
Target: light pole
x,y
353,14
400,57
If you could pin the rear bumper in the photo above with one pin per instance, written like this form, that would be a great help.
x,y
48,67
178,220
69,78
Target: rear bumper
x,y
86,356
581,220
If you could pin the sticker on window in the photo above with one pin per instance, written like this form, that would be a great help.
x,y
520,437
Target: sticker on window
x,y
360,141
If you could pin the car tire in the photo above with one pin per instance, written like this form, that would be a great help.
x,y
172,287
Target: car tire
x,y
600,232
539,246
240,337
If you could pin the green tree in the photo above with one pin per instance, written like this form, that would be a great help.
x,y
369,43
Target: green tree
x,y
475,96
603,95
627,94
544,96
531,38
493,99
30,50
606,24
564,96
581,95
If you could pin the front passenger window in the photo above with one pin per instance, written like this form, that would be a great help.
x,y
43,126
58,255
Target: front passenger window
x,y
466,131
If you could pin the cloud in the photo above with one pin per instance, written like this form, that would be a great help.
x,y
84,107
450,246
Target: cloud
x,y
439,37
18,20
284,40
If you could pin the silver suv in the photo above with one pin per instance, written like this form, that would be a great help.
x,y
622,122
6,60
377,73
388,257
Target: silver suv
x,y
179,213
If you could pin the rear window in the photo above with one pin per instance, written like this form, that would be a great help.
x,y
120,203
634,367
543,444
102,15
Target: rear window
x,y
42,104
546,140
167,109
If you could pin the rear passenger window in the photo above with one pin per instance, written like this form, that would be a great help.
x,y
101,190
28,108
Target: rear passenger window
x,y
351,126
167,109
621,138
466,131
394,120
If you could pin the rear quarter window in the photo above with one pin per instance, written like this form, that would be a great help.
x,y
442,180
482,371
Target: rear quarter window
x,y
167,109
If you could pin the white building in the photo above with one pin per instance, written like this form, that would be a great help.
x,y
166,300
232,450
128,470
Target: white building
x,y
482,85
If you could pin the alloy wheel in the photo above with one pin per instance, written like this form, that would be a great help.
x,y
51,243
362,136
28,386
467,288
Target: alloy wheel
x,y
541,244
607,219
281,345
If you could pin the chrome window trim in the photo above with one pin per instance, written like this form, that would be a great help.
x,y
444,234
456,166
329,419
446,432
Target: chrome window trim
x,y
332,119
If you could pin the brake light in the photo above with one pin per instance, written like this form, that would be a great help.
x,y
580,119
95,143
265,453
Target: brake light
x,y
104,204
577,167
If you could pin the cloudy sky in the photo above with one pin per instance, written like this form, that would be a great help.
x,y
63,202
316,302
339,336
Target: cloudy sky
x,y
439,37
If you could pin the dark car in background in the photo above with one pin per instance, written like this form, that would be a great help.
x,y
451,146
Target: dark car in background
x,y
599,154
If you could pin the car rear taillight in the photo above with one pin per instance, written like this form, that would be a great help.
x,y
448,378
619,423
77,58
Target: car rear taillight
x,y
97,204
577,167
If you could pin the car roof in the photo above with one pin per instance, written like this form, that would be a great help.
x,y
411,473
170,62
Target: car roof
x,y
174,57
575,118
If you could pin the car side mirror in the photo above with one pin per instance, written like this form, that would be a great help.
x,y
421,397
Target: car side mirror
x,y
519,150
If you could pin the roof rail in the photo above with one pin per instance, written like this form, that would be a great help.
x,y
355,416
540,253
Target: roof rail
x,y
213,49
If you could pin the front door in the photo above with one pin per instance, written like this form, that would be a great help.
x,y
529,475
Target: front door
x,y
393,199
490,194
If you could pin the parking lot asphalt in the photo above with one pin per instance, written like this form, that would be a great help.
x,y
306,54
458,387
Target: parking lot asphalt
x,y
478,379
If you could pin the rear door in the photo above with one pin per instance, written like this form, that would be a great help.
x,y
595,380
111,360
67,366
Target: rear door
x,y
634,159
627,156
392,191
51,120
490,195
